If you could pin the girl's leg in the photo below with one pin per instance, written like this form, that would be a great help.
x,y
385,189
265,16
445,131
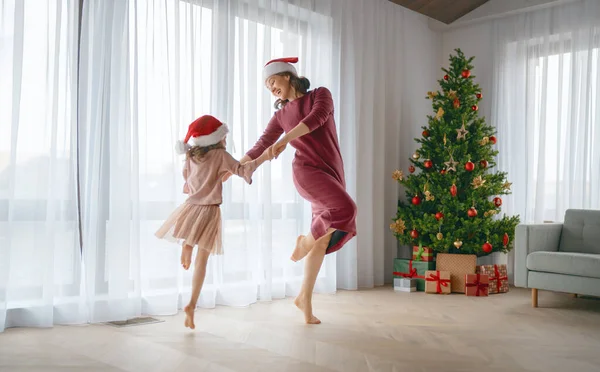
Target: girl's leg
x,y
197,282
186,255
314,260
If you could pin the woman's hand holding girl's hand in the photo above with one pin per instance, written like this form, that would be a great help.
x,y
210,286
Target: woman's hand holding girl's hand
x,y
277,149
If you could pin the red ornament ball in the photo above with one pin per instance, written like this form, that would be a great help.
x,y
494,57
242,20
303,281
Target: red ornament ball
x,y
505,239
453,190
446,77
411,169
483,163
487,247
497,201
474,108
414,234
426,133
493,139
416,200
469,166
472,212
465,73
443,171
479,95
439,216
428,164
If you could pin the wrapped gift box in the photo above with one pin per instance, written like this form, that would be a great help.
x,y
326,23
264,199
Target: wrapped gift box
x,y
477,285
437,282
498,275
458,265
405,285
411,269
422,254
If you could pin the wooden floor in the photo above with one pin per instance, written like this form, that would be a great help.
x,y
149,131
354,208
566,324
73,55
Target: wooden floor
x,y
370,330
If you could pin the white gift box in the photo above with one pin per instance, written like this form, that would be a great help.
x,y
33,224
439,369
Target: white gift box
x,y
405,285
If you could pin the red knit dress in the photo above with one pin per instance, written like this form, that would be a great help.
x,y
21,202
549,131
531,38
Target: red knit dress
x,y
317,167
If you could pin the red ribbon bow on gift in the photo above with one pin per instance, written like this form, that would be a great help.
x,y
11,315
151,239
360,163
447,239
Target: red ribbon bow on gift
x,y
480,286
498,278
440,282
412,272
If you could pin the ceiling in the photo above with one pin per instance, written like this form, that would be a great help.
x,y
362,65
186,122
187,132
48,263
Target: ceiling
x,y
446,11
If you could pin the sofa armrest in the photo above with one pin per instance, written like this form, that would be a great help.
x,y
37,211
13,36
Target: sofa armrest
x,y
531,238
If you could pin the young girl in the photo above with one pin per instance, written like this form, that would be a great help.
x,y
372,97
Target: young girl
x,y
197,222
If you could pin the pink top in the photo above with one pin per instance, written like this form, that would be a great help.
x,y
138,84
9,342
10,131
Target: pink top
x,y
203,178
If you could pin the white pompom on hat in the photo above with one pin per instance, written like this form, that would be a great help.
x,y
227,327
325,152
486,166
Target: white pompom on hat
x,y
276,66
204,131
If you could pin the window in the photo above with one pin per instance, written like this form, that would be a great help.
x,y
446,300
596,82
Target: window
x,y
564,97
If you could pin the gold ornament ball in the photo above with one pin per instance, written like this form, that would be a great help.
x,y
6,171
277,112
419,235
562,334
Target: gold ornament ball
x,y
458,244
440,236
415,156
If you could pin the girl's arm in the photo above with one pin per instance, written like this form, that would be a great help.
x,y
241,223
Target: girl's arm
x,y
186,171
232,166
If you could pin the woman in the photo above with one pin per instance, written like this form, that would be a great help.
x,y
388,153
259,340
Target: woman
x,y
307,119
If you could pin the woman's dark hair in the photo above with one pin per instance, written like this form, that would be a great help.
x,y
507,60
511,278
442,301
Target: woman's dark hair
x,y
197,152
300,85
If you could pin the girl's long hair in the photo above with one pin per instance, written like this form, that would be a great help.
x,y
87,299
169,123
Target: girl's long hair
x,y
197,153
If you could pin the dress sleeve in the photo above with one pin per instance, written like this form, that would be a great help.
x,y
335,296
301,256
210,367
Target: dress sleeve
x,y
186,172
268,138
321,109
231,165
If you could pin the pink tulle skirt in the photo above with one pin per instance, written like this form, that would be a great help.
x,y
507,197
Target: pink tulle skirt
x,y
195,225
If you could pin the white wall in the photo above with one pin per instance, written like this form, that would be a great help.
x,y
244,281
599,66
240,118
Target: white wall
x,y
473,41
421,69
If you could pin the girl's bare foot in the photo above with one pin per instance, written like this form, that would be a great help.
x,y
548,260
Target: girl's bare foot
x,y
186,256
189,316
301,250
306,308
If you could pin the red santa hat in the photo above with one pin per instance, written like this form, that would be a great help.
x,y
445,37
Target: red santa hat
x,y
204,131
276,66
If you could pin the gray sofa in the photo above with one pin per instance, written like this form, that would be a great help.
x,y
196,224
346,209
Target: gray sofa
x,y
560,257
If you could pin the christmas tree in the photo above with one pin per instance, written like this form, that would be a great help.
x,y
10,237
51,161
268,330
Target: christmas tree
x,y
453,194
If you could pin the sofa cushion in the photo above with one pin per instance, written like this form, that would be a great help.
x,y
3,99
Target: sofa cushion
x,y
581,231
578,264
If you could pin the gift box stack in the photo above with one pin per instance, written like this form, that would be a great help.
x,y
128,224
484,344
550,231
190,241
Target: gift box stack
x,y
410,273
448,273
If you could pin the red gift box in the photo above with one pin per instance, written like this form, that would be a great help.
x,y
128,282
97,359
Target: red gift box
x,y
477,284
498,277
422,254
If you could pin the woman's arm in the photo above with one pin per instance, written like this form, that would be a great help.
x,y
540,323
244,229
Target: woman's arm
x,y
320,111
271,134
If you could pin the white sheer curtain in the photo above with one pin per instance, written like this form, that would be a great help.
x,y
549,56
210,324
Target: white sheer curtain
x,y
369,88
39,236
87,161
547,111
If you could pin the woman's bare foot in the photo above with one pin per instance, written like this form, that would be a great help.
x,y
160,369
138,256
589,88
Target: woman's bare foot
x,y
186,256
189,316
301,250
306,308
